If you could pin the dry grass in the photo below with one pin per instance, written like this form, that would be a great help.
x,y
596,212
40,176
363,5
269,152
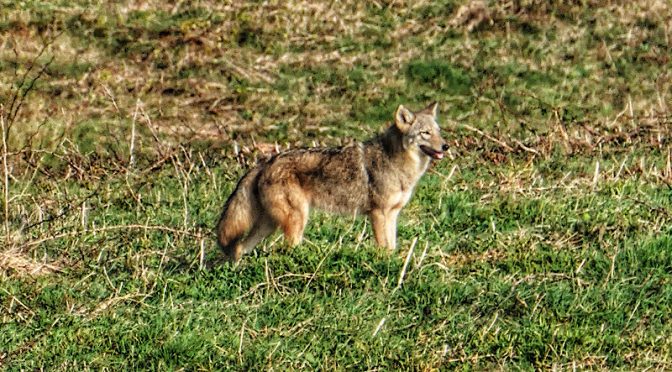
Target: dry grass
x,y
13,262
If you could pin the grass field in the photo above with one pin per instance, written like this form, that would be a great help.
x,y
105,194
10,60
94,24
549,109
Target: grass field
x,y
544,241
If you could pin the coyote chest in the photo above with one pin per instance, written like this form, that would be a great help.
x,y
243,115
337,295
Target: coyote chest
x,y
375,178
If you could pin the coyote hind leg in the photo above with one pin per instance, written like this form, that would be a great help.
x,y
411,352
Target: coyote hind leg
x,y
294,226
291,214
288,206
293,219
262,228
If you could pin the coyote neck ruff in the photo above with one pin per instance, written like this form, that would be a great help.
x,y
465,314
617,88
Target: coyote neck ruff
x,y
375,178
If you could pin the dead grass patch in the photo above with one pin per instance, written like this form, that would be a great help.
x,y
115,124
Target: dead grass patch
x,y
16,263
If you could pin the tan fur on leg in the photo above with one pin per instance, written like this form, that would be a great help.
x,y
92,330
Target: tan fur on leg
x,y
391,228
261,229
378,225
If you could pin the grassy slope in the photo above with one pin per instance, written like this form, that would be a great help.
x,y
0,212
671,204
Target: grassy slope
x,y
543,242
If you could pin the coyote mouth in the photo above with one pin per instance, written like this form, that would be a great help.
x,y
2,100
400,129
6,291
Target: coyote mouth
x,y
431,152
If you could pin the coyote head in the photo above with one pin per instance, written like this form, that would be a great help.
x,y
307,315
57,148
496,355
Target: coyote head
x,y
420,131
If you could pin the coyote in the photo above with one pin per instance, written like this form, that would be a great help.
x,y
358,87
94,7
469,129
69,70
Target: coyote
x,y
375,178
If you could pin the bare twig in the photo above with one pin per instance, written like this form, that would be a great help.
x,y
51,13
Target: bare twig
x,y
8,117
378,327
5,178
18,96
114,228
131,160
65,210
491,138
408,260
12,115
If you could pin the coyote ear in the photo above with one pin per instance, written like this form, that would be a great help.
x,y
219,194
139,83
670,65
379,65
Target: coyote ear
x,y
432,109
403,118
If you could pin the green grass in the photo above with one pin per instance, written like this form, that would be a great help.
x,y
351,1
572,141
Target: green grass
x,y
543,242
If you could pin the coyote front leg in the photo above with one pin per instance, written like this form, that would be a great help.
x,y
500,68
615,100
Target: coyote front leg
x,y
391,228
385,227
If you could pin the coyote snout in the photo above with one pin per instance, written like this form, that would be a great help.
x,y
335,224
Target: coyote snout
x,y
375,178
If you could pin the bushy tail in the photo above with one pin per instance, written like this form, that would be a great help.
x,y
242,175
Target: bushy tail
x,y
238,216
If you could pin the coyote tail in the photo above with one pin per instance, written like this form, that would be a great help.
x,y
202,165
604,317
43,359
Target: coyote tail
x,y
240,212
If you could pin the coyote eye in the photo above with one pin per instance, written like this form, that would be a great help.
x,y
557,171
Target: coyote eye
x,y
425,133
